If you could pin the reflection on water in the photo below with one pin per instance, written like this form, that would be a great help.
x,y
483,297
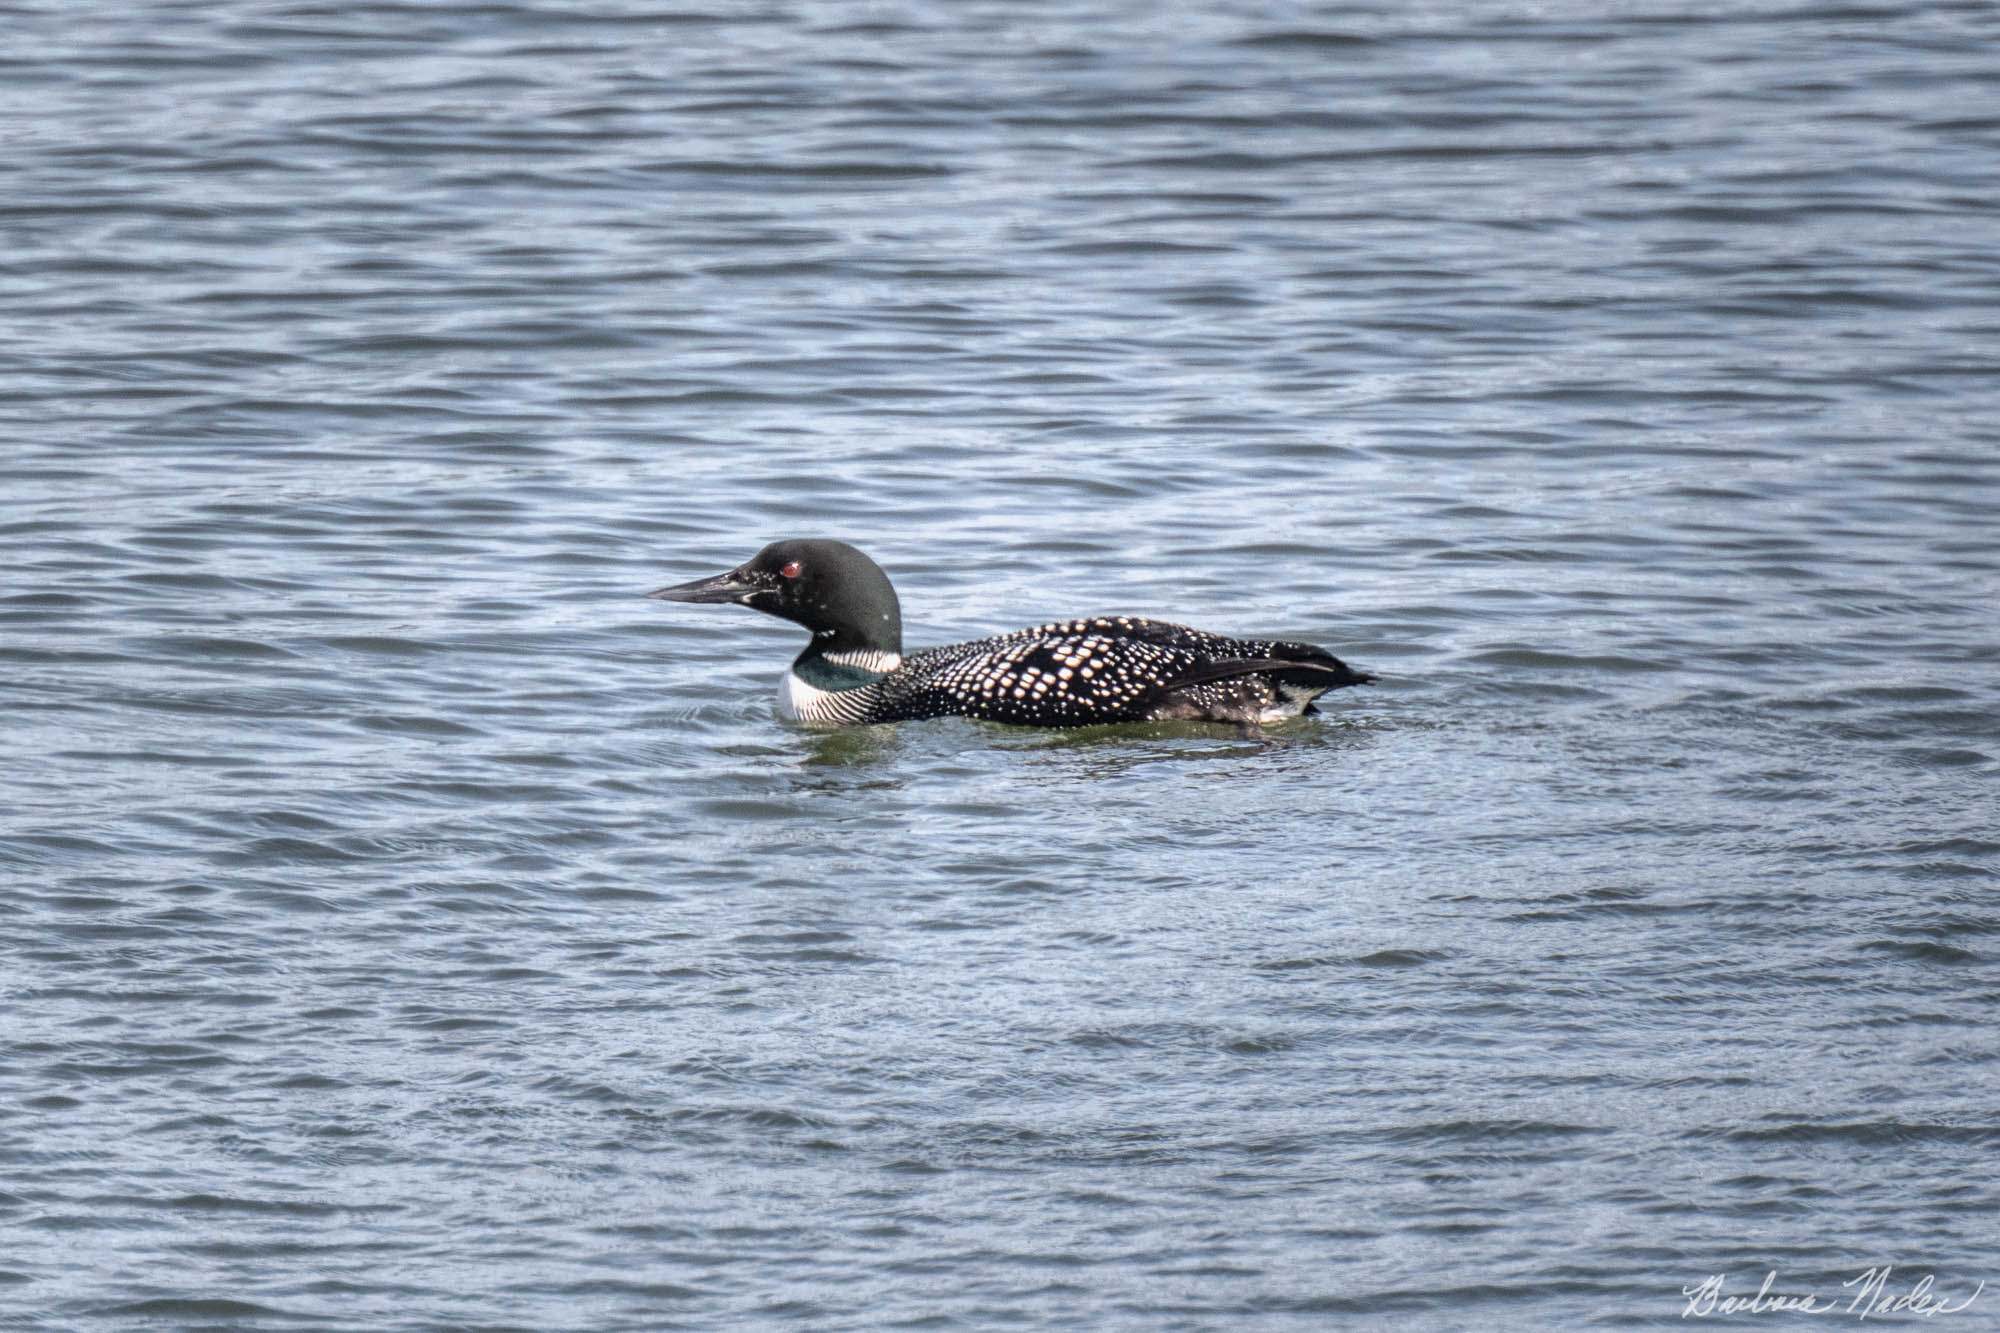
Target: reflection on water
x,y
852,747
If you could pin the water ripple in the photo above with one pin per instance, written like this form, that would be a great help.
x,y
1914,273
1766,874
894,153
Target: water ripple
x,y
394,899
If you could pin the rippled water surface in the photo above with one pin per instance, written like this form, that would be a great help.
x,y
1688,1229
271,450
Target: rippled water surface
x,y
405,925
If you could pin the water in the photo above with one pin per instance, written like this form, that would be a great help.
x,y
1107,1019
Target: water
x,y
407,926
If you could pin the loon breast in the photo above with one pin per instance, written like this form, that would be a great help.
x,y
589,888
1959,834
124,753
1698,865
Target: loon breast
x,y
801,701
798,700
834,689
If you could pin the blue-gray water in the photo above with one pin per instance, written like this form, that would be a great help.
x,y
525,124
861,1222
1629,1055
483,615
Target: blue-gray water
x,y
404,925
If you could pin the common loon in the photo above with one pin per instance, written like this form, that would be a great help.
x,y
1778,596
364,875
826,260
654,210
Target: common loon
x,y
1072,673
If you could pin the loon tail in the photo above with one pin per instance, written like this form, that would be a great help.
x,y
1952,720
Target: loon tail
x,y
1328,674
1319,673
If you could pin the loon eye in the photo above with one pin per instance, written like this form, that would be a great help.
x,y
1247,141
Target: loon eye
x,y
790,569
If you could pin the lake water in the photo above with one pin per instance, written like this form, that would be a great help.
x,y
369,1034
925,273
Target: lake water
x,y
405,925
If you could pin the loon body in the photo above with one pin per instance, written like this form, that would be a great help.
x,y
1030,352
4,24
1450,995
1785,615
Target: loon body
x,y
1071,673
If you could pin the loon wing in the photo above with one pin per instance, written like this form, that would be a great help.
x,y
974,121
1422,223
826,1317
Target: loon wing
x,y
1112,669
1221,658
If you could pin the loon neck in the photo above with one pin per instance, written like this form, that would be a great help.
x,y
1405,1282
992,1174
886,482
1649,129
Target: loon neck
x,y
828,665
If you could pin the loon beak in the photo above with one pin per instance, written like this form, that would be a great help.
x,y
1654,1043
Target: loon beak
x,y
730,587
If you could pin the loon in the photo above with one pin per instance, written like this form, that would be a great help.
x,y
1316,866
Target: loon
x,y
1071,673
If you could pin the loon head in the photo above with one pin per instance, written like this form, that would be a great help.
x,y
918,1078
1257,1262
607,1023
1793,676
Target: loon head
x,y
832,589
